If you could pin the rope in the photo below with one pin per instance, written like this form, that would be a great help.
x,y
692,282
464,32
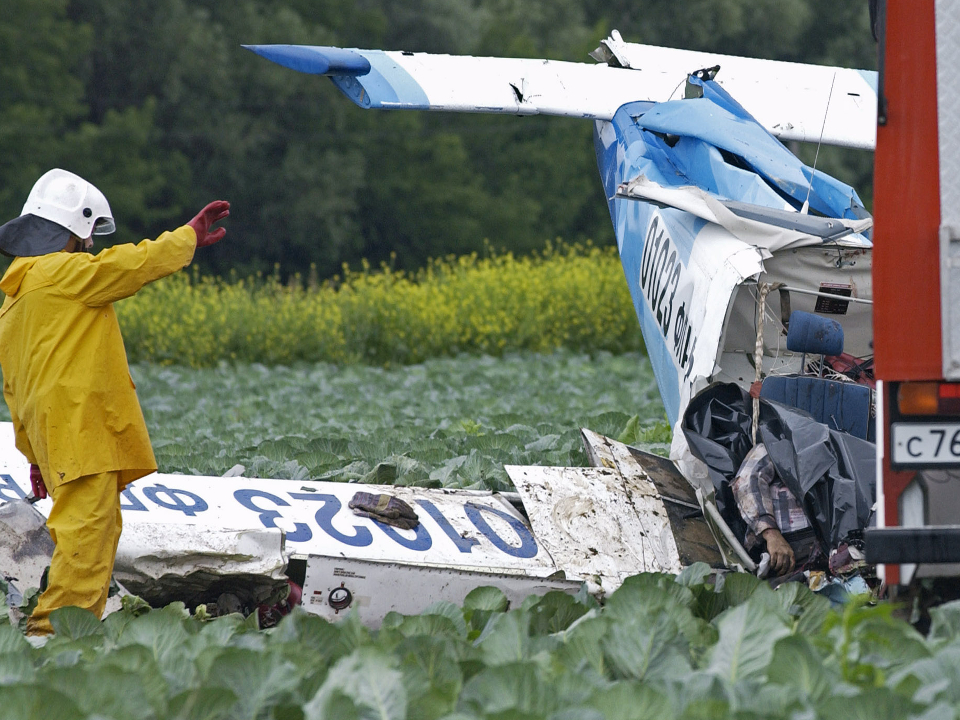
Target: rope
x,y
764,288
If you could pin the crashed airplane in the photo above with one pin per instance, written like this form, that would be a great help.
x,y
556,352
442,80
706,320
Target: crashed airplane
x,y
746,267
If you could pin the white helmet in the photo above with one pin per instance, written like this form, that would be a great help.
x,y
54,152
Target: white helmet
x,y
71,202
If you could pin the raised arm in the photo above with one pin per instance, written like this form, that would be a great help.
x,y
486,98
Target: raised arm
x,y
120,271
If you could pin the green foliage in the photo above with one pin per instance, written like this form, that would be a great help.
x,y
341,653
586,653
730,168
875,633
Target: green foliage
x,y
647,654
446,422
41,95
657,434
568,297
74,623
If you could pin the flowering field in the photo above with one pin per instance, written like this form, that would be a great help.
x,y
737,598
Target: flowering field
x,y
573,297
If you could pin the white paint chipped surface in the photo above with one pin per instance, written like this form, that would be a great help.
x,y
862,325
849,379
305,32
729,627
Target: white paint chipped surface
x,y
468,529
150,551
601,524
793,101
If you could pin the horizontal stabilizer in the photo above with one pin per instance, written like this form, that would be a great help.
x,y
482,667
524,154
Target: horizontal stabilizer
x,y
793,101
314,60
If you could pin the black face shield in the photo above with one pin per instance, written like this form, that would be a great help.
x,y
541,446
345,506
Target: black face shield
x,y
29,235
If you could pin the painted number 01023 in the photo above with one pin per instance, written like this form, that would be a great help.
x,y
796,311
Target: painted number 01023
x,y
661,272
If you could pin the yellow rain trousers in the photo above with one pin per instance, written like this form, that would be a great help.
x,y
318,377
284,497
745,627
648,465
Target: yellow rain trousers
x,y
85,524
73,404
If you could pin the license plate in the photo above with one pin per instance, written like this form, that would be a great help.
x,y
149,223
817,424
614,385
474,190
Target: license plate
x,y
925,443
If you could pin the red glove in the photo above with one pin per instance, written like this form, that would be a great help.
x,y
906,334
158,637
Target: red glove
x,y
215,211
36,483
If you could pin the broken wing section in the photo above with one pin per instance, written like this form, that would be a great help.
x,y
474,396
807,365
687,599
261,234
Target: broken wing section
x,y
422,81
764,227
794,101
791,100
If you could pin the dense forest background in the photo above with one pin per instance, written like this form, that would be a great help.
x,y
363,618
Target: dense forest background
x,y
156,103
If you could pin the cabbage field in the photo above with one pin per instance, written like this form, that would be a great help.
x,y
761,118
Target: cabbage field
x,y
450,422
660,648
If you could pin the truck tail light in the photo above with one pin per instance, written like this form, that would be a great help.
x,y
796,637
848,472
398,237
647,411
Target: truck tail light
x,y
928,398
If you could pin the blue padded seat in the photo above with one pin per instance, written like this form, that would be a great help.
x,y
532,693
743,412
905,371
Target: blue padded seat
x,y
814,334
840,405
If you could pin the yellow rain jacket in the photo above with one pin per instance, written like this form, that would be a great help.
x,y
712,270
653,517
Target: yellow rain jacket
x,y
65,375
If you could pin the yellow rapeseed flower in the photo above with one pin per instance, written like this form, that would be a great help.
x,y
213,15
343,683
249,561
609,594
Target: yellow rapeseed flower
x,y
566,296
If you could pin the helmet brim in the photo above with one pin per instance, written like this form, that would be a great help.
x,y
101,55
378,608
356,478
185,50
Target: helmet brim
x,y
29,236
104,226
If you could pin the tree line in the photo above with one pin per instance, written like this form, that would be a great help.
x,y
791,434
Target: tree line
x,y
156,102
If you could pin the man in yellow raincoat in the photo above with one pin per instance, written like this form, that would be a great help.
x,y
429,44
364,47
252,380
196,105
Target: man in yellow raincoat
x,y
65,377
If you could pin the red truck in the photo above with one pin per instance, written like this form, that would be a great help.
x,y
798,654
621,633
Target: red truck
x,y
916,283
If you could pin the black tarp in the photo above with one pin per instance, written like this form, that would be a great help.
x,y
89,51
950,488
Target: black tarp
x,y
831,472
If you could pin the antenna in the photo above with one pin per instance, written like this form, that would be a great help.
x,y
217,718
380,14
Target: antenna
x,y
806,203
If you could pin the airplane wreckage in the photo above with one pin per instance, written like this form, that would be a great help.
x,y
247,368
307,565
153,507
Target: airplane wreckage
x,y
750,273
